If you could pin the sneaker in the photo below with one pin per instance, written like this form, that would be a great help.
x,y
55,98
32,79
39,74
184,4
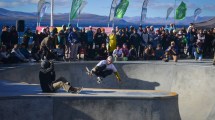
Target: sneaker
x,y
64,59
165,59
99,80
77,90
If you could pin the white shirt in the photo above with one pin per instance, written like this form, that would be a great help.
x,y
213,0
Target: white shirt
x,y
117,53
108,66
201,38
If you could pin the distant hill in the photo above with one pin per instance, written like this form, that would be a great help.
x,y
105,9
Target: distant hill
x,y
163,21
9,17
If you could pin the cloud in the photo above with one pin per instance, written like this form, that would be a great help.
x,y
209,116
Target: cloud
x,y
63,3
208,7
29,1
155,4
9,4
161,5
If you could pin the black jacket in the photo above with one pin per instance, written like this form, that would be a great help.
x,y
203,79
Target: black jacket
x,y
47,77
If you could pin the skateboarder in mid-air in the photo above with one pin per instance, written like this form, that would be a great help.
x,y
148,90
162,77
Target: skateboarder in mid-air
x,y
103,69
49,84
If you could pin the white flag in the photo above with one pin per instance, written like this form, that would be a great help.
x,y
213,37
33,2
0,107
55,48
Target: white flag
x,y
196,13
169,10
84,3
43,9
112,9
39,7
144,10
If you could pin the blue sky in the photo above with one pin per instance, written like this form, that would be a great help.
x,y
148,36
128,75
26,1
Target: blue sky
x,y
156,8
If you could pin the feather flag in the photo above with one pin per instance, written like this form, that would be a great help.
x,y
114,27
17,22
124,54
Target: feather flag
x,y
76,4
145,3
121,8
144,10
196,13
39,6
181,11
112,10
84,3
169,10
43,9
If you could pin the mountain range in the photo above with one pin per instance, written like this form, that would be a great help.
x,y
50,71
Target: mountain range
x,y
10,17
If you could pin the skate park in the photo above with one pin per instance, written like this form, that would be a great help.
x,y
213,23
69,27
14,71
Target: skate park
x,y
151,90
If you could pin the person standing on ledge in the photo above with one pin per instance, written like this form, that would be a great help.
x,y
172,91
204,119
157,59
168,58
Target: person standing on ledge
x,y
103,69
47,79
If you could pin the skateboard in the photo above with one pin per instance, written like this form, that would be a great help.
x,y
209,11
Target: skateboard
x,y
99,79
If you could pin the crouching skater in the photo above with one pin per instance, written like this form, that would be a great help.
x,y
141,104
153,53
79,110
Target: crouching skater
x,y
105,68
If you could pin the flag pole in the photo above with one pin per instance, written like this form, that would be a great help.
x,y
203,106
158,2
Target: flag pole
x,y
52,9
113,24
174,11
79,13
69,18
70,13
78,21
37,19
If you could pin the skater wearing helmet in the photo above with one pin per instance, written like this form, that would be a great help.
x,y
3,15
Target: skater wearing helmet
x,y
103,69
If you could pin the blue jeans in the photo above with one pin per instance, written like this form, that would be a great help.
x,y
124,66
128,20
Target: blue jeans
x,y
198,56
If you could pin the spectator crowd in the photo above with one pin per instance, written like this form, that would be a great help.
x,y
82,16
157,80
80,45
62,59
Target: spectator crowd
x,y
129,43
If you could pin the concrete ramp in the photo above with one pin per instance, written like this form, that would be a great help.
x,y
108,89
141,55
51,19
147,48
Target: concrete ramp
x,y
28,103
193,81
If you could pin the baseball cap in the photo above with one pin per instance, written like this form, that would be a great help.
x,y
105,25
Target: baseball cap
x,y
45,64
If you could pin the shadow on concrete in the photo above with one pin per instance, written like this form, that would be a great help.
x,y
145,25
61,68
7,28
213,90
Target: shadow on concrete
x,y
110,82
91,92
131,83
13,89
67,110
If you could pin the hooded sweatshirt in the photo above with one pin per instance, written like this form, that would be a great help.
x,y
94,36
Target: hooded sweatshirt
x,y
47,76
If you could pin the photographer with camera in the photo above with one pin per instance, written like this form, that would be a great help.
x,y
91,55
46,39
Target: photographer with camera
x,y
171,51
47,79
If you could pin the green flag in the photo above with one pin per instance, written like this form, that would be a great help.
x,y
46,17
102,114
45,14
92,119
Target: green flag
x,y
121,8
181,11
76,4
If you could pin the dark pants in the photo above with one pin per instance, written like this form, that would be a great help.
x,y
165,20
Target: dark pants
x,y
101,71
214,57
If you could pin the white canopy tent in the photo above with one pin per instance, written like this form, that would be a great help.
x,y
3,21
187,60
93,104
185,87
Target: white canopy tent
x,y
206,24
